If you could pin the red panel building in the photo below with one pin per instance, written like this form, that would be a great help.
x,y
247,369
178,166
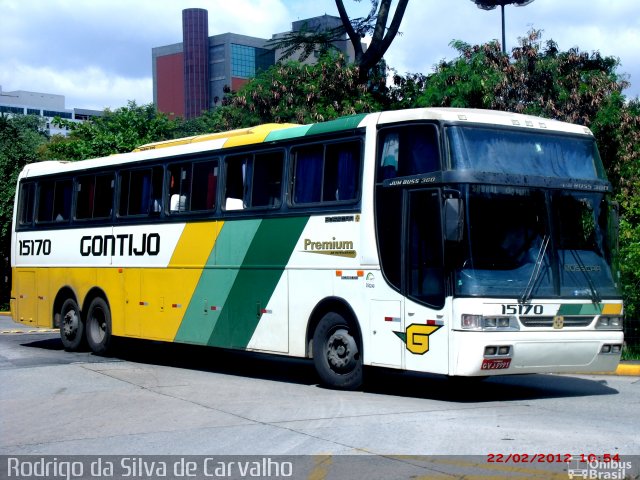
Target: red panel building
x,y
170,84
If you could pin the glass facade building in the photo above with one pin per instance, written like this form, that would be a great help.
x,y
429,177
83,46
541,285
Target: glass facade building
x,y
247,61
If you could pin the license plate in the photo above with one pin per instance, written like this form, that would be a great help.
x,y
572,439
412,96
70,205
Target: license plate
x,y
495,363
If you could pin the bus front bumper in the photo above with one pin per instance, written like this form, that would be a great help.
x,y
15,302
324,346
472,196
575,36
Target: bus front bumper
x,y
482,353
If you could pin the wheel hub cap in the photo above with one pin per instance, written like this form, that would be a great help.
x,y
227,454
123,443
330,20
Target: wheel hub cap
x,y
341,350
70,324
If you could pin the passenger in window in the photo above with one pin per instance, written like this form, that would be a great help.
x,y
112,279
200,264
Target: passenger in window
x,y
177,202
389,159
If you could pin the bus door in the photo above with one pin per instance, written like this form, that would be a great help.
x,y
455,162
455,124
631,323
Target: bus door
x,y
425,315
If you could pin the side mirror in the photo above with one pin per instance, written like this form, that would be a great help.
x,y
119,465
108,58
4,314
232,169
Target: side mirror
x,y
453,219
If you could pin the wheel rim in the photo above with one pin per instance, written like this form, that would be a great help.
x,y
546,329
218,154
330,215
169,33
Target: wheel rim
x,y
341,351
70,323
98,325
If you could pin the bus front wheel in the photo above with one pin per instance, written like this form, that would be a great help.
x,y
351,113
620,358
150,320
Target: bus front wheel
x,y
71,325
99,326
336,354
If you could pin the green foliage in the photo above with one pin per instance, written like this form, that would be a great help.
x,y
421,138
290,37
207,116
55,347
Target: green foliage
x,y
299,93
21,138
627,175
536,79
119,131
572,86
471,80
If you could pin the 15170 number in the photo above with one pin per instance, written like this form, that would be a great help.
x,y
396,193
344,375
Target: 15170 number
x,y
522,309
34,247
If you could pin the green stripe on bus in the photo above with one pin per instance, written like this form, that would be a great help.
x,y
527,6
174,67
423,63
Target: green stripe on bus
x,y
287,133
216,281
580,309
256,281
345,123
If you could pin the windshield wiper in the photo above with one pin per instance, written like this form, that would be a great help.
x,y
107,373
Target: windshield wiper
x,y
528,291
595,296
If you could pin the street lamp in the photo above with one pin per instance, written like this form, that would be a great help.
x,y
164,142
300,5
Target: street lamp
x,y
491,4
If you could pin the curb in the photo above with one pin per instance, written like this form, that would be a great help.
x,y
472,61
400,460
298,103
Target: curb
x,y
629,369
32,331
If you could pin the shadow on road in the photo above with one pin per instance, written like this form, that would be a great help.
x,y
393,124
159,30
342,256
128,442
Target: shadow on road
x,y
300,371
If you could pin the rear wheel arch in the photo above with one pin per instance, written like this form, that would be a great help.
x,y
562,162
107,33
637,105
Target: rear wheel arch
x,y
326,305
336,345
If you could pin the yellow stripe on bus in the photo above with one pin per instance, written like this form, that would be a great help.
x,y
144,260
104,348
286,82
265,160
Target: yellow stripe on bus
x,y
256,134
612,309
167,292
195,244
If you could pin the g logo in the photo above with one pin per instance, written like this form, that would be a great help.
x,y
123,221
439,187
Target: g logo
x,y
418,337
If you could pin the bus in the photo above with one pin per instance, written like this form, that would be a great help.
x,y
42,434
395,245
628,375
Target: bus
x,y
461,242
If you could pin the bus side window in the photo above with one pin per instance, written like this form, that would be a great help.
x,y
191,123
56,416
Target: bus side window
x,y
54,201
420,150
408,150
389,157
204,186
94,196
140,192
103,203
27,204
267,180
238,174
308,174
341,172
328,173
179,187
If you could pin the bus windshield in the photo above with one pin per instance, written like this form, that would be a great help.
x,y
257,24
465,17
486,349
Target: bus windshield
x,y
496,150
541,244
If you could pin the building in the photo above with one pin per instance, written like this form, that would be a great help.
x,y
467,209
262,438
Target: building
x,y
321,23
46,105
192,76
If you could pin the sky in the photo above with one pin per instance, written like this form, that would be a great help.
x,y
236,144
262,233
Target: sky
x,y
97,53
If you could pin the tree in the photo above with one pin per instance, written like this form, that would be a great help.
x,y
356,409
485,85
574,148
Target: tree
x,y
374,24
21,139
626,173
119,131
300,93
538,79
573,86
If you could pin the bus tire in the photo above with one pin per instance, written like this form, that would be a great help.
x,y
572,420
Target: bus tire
x,y
71,326
98,326
336,354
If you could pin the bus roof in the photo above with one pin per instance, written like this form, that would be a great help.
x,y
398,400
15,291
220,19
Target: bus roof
x,y
489,117
273,132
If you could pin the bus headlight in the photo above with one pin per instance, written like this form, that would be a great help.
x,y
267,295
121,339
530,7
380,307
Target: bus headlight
x,y
472,322
609,323
489,322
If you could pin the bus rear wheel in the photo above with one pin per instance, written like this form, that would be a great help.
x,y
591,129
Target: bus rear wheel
x,y
99,326
336,354
71,325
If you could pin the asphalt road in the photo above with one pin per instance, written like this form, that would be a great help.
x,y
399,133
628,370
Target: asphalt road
x,y
161,399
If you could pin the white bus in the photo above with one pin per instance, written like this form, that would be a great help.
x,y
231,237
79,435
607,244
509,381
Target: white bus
x,y
449,241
